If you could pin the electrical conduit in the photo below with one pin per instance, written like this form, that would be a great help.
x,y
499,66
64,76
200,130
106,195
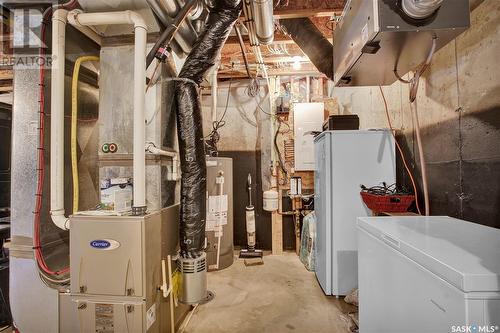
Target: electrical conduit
x,y
74,123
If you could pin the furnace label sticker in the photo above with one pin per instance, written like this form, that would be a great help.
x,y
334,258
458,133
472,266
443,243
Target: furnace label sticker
x,y
104,318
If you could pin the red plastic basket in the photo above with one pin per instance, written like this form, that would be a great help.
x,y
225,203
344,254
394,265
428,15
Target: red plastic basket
x,y
387,203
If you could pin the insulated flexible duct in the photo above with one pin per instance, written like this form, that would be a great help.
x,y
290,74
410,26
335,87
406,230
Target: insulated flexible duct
x,y
312,42
420,9
189,124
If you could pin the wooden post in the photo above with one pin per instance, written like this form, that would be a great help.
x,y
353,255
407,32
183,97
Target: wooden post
x,y
277,232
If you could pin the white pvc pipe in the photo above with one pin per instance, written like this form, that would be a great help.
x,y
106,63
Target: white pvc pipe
x,y
57,212
87,31
151,148
214,93
111,18
140,28
59,21
421,155
218,229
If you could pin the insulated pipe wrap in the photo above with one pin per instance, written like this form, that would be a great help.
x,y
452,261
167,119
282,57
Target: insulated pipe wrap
x,y
312,42
189,124
420,9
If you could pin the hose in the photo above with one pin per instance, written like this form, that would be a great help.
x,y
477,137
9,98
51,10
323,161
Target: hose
x,y
414,83
74,122
401,151
423,166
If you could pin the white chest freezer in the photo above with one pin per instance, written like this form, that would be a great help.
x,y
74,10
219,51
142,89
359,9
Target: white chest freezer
x,y
428,274
344,161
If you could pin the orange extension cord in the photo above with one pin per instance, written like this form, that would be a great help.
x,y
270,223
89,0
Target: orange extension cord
x,y
400,150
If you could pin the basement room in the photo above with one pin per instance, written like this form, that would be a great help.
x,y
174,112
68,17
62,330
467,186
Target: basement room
x,y
250,166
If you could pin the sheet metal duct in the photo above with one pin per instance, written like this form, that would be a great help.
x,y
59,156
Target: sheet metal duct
x,y
166,11
263,18
312,42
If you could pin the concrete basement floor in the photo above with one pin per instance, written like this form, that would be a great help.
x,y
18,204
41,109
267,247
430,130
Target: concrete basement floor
x,y
279,296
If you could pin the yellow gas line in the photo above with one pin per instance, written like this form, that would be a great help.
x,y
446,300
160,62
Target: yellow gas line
x,y
74,122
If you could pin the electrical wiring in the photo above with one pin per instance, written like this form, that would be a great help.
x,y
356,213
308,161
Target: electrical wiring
x,y
414,84
280,157
385,190
151,81
410,174
214,136
37,247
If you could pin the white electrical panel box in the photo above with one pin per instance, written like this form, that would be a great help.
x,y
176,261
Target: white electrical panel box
x,y
307,118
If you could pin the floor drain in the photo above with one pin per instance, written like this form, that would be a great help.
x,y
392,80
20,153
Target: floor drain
x,y
210,296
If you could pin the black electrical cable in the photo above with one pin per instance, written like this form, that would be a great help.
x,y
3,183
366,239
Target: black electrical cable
x,y
386,190
213,138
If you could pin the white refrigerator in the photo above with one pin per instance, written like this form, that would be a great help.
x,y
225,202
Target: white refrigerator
x,y
428,274
344,161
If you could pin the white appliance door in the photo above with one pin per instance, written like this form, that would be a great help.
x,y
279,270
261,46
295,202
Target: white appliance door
x,y
359,157
323,213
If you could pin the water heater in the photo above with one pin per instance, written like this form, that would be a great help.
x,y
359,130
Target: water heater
x,y
376,39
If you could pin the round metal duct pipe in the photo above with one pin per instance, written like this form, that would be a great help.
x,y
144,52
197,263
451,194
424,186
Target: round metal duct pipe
x,y
166,10
420,9
263,18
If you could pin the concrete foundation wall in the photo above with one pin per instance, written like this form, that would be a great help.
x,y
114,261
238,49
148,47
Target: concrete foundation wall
x,y
246,138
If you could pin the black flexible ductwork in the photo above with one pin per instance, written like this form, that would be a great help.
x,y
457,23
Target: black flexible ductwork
x,y
312,42
189,124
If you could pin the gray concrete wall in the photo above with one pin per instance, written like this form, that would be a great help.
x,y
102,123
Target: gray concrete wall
x,y
247,139
459,109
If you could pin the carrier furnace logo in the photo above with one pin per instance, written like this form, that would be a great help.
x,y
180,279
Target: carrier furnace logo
x,y
105,244
474,329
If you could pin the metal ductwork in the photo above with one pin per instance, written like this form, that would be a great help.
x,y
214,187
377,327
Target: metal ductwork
x,y
312,42
262,11
189,125
166,11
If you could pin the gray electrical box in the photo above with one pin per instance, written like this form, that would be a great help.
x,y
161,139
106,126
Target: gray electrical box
x,y
374,38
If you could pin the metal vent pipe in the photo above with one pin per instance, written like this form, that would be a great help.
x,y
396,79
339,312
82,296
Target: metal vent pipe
x,y
263,18
312,42
166,11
